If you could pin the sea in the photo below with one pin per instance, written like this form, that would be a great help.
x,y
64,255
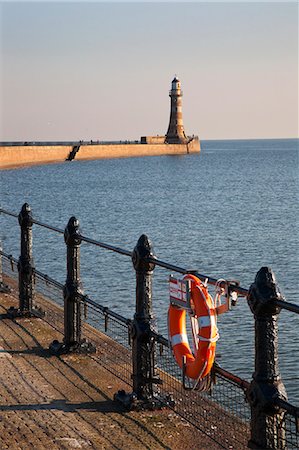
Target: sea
x,y
226,212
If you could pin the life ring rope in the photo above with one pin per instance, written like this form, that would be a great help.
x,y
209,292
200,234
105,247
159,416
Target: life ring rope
x,y
208,321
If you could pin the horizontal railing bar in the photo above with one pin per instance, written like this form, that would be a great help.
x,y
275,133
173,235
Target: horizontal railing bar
x,y
160,339
230,376
64,143
87,300
83,238
213,281
48,279
293,410
49,227
106,246
37,272
105,310
10,257
287,305
9,213
37,222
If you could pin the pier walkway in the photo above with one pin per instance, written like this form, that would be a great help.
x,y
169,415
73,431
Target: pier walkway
x,y
49,402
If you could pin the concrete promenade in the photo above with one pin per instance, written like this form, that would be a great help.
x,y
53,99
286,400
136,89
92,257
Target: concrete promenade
x,y
49,402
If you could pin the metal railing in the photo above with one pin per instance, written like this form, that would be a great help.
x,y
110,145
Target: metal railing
x,y
229,409
65,143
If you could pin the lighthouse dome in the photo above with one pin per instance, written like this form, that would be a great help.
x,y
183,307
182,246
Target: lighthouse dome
x,y
176,83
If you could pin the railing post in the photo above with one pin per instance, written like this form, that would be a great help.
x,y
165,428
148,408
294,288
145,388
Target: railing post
x,y
25,264
73,286
267,420
27,308
3,287
73,307
144,375
146,394
26,270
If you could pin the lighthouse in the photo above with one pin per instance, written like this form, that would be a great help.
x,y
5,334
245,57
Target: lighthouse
x,y
175,140
176,133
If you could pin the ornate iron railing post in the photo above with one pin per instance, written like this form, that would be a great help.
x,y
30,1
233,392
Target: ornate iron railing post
x,y
73,286
267,420
144,375
26,270
25,264
73,307
3,287
146,394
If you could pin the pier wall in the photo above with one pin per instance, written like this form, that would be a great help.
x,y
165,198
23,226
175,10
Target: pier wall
x,y
134,150
14,156
29,155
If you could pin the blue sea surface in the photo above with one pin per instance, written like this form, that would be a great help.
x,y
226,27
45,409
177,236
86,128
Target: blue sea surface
x,y
227,212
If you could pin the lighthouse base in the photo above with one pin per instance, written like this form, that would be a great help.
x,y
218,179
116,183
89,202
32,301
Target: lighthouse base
x,y
176,140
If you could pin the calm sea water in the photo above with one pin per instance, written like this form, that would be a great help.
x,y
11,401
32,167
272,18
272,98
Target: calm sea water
x,y
226,212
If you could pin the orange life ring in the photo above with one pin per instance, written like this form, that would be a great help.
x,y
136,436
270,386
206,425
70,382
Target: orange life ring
x,y
199,364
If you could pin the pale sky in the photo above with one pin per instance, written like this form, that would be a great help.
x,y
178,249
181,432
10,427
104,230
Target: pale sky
x,y
79,70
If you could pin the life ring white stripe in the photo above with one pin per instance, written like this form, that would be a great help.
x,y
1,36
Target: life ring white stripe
x,y
179,339
207,321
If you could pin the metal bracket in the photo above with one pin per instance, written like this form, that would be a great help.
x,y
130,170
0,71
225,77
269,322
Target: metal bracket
x,y
225,288
202,385
59,348
186,388
4,288
180,293
132,403
11,262
13,313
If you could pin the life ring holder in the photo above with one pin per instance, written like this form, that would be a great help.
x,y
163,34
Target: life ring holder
x,y
181,300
